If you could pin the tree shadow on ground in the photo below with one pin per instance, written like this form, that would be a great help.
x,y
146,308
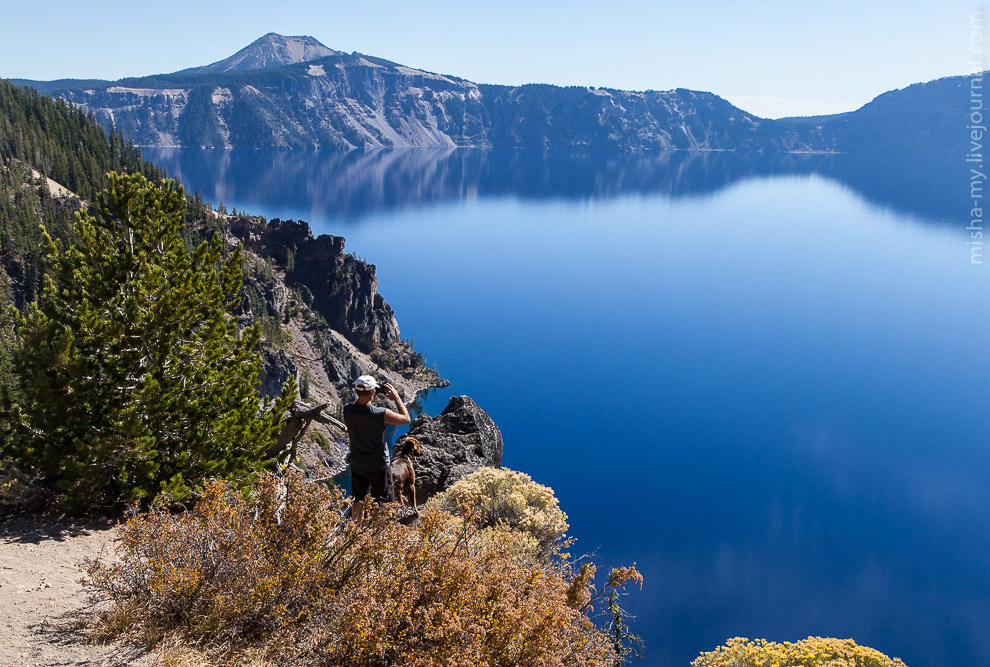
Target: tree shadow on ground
x,y
36,528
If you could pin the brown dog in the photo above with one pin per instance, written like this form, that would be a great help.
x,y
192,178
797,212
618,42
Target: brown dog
x,y
403,475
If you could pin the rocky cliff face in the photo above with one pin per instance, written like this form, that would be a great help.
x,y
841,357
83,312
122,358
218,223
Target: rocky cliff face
x,y
324,323
355,101
340,101
295,92
458,441
598,118
341,288
313,276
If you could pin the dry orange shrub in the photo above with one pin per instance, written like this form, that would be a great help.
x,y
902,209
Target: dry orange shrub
x,y
284,577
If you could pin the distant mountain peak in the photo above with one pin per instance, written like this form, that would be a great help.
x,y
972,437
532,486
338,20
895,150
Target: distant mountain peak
x,y
281,92
272,50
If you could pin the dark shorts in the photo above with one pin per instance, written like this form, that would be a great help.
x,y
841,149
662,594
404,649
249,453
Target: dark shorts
x,y
375,484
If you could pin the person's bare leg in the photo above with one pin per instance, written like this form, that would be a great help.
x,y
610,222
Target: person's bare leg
x,y
357,510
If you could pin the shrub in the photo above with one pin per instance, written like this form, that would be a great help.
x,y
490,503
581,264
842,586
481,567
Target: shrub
x,y
134,374
810,652
322,441
283,575
499,497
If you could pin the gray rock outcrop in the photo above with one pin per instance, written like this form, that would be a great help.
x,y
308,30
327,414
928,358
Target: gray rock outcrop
x,y
276,368
342,288
458,441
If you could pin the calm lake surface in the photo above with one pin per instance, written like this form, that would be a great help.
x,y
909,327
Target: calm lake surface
x,y
764,380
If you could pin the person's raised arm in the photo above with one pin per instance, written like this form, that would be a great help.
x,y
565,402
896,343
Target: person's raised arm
x,y
400,418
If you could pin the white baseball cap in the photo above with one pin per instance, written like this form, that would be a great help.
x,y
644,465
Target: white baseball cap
x,y
365,383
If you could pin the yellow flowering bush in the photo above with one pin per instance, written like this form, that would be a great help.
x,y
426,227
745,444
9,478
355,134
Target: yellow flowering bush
x,y
283,578
810,652
499,497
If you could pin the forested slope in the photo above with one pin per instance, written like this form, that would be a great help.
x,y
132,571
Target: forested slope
x,y
54,160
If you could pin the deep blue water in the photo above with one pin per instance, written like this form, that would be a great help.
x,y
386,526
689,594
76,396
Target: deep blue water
x,y
764,380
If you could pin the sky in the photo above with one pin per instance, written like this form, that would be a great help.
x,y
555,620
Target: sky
x,y
770,57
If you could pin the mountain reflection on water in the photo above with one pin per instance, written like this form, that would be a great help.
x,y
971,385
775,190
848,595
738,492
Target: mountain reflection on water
x,y
347,186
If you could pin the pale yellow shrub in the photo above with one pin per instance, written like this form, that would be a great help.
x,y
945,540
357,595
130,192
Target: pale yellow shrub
x,y
810,652
502,497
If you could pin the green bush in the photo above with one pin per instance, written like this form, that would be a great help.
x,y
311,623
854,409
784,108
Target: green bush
x,y
134,375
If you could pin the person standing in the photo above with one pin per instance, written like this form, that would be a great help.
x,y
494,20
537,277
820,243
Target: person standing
x,y
369,457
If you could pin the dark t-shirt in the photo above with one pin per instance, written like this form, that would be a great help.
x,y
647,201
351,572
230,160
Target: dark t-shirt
x,y
366,430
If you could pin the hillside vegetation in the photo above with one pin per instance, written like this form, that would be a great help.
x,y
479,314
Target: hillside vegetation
x,y
285,579
134,373
41,139
145,328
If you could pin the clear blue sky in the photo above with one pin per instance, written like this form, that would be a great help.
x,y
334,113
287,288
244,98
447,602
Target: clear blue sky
x,y
771,57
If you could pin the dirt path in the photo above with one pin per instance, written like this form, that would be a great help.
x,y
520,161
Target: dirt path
x,y
43,608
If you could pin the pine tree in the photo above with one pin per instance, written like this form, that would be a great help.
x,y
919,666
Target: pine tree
x,y
135,376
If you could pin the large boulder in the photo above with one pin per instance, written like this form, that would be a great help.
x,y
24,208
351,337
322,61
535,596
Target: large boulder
x,y
458,441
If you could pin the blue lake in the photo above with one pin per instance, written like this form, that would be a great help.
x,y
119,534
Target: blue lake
x,y
762,379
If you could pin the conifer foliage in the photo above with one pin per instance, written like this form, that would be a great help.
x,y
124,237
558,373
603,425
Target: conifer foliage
x,y
135,376
63,142
44,138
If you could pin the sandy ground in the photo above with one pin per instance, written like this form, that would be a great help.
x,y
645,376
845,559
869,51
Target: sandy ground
x,y
43,608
